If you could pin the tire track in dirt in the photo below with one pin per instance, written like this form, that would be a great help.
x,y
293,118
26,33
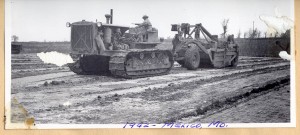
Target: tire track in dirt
x,y
51,76
21,82
149,107
77,96
256,106
140,85
83,90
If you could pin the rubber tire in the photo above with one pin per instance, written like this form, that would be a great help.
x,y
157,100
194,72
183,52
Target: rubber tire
x,y
192,57
235,61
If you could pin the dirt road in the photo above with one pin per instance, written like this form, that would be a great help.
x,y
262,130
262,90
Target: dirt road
x,y
52,94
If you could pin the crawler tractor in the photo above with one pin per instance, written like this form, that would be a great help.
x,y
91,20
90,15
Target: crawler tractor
x,y
191,51
108,49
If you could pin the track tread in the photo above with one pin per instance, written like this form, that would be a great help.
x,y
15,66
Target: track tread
x,y
121,71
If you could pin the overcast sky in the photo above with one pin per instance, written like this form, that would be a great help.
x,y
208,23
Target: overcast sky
x,y
39,20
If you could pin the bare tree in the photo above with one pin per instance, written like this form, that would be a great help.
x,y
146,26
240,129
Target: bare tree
x,y
239,34
250,33
254,33
258,34
265,34
14,38
245,34
225,27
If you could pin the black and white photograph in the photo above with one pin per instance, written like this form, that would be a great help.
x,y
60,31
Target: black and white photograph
x,y
149,64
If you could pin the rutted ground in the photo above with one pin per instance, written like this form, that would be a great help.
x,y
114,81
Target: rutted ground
x,y
52,94
257,110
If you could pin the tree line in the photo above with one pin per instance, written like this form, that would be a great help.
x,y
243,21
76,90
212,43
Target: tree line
x,y
252,32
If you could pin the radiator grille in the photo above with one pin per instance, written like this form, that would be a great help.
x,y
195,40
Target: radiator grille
x,y
82,38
